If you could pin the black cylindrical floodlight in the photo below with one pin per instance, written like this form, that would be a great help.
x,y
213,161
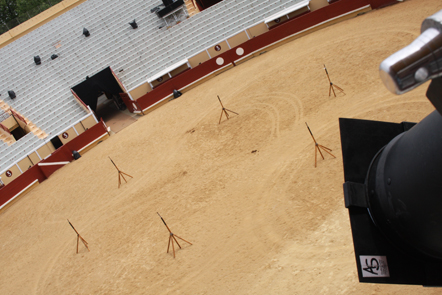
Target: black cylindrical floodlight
x,y
176,93
393,174
404,185
37,60
11,94
133,24
86,32
76,155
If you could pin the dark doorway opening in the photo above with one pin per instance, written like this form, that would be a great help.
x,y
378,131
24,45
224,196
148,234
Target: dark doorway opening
x,y
18,133
56,142
101,92
203,4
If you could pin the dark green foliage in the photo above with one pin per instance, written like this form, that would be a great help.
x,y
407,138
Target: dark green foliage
x,y
14,12
8,10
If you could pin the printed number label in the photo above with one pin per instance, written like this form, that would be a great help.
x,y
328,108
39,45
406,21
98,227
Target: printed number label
x,y
374,266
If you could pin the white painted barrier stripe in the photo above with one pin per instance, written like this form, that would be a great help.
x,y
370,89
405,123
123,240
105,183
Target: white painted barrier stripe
x,y
157,102
93,142
305,30
40,145
10,200
53,163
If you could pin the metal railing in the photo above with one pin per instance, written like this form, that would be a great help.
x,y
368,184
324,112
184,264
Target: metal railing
x,y
6,26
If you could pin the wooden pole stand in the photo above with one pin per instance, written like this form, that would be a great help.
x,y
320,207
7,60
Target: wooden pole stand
x,y
318,147
332,86
79,238
172,237
224,111
120,174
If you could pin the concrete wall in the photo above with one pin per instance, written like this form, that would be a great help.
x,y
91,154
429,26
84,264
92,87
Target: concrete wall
x,y
317,4
25,164
160,80
298,12
10,123
179,70
34,158
218,49
140,91
46,150
257,30
198,59
89,122
79,127
278,21
238,39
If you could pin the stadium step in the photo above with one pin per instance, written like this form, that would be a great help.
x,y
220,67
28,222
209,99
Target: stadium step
x,y
34,129
4,106
37,131
191,10
8,139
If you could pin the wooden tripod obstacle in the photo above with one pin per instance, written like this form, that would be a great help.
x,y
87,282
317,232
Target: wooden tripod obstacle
x,y
332,86
79,238
120,174
172,238
318,147
224,111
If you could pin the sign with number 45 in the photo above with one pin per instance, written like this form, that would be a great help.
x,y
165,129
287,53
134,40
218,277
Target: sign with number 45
x,y
374,266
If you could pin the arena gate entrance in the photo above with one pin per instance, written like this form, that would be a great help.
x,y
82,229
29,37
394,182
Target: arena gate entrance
x,y
101,92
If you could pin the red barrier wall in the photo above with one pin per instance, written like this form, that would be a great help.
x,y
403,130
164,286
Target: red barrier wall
x,y
86,137
286,29
21,182
180,81
129,103
62,154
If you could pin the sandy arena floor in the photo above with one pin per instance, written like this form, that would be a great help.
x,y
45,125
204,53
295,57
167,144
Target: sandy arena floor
x,y
264,222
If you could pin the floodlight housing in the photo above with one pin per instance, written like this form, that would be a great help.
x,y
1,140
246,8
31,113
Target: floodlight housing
x,y
392,175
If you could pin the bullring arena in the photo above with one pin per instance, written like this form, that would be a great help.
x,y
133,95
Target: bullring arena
x,y
261,218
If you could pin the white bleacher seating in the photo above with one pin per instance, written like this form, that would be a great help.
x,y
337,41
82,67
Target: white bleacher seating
x,y
45,90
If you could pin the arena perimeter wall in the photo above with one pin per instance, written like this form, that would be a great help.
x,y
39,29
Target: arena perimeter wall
x,y
40,173
229,58
184,81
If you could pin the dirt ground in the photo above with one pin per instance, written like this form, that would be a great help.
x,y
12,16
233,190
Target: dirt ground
x,y
261,218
